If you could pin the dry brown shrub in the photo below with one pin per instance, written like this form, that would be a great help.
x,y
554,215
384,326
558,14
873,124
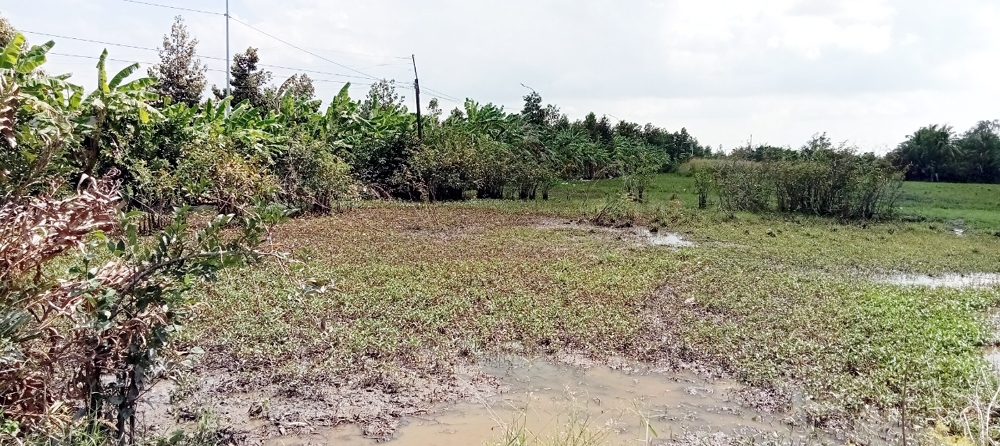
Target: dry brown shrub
x,y
36,374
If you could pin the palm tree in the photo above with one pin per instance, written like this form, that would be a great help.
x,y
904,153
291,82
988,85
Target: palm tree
x,y
929,151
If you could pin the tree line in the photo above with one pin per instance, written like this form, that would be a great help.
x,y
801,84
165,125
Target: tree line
x,y
255,141
92,171
939,153
932,153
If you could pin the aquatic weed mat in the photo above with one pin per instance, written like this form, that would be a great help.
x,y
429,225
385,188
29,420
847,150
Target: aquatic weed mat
x,y
413,293
400,296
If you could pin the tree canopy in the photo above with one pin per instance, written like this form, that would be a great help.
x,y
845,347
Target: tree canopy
x,y
180,75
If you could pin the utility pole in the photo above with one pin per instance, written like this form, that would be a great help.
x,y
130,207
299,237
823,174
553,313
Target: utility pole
x,y
229,84
416,87
228,81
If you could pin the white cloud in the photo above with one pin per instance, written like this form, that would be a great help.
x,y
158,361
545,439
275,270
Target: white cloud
x,y
869,71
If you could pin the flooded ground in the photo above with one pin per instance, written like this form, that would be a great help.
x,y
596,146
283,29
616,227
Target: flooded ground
x,y
547,401
958,281
665,239
639,235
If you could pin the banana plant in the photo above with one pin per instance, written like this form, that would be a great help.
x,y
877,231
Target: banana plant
x,y
295,110
110,112
486,119
26,62
342,126
35,120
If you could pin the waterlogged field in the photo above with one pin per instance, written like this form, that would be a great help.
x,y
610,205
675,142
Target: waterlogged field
x,y
406,302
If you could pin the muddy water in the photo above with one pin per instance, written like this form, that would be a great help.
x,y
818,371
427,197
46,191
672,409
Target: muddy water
x,y
959,281
547,400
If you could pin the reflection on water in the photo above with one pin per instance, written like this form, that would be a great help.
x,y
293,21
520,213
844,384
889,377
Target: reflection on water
x,y
545,400
973,280
665,239
992,356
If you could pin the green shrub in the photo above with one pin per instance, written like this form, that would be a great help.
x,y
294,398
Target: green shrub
x,y
442,167
743,186
210,174
695,165
313,180
829,182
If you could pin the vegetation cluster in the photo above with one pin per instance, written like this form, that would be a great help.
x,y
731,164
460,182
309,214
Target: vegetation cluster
x,y
161,192
82,334
820,179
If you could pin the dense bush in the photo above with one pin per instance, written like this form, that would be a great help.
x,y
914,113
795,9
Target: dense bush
x,y
826,182
312,180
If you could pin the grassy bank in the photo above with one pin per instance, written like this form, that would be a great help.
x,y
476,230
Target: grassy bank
x,y
785,304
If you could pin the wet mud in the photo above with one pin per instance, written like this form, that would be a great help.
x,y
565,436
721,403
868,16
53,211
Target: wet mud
x,y
543,401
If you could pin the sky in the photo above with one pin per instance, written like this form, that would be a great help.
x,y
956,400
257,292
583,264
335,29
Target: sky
x,y
867,72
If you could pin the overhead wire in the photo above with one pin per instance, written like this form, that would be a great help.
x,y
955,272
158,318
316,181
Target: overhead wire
x,y
82,56
223,14
301,49
117,60
312,71
175,7
80,39
363,75
443,95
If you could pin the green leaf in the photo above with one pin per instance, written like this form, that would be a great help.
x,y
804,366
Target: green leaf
x,y
137,85
27,65
34,57
12,52
122,75
102,73
76,98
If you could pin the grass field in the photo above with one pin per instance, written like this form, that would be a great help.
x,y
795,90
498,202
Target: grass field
x,y
785,304
977,205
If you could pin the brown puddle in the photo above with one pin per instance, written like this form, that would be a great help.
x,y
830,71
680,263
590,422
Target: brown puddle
x,y
547,400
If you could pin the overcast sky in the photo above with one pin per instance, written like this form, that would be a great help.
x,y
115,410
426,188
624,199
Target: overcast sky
x,y
865,71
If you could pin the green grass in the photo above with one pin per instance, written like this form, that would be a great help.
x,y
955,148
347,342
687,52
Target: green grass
x,y
663,189
779,302
978,205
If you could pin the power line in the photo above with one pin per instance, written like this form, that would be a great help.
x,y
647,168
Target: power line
x,y
364,75
91,41
81,56
118,60
302,49
222,14
350,53
174,7
443,96
80,39
198,55
229,16
313,71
